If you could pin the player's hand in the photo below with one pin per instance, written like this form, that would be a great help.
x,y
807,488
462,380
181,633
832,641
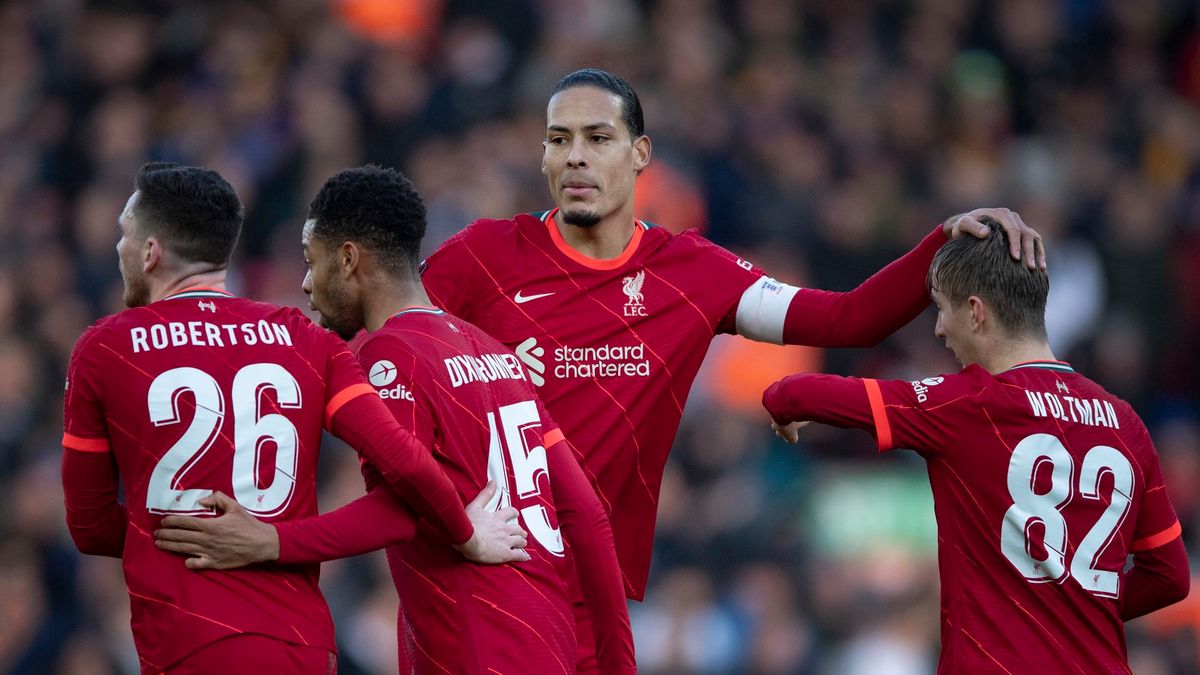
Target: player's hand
x,y
1023,242
233,539
789,432
497,538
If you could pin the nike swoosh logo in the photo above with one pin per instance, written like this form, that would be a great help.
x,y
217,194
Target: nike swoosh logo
x,y
522,299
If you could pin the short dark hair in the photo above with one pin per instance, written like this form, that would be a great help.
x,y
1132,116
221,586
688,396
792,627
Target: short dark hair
x,y
194,211
631,106
376,207
984,267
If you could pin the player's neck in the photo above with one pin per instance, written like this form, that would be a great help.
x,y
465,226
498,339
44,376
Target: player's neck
x,y
604,240
213,279
390,297
1005,354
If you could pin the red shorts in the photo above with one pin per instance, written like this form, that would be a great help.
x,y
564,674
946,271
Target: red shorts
x,y
250,654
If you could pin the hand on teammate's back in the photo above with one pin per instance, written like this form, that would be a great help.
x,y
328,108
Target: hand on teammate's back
x,y
497,539
233,539
1024,242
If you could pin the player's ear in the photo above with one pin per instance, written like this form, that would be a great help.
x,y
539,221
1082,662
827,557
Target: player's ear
x,y
349,257
641,153
979,311
152,253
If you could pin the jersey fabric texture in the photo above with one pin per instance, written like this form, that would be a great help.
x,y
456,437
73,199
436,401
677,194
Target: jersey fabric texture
x,y
204,391
1043,483
613,345
466,397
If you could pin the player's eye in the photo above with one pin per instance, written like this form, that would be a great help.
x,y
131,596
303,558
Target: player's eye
x,y
557,140
599,139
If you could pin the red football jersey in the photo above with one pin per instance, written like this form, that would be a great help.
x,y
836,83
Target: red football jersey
x,y
467,398
612,345
166,388
1042,482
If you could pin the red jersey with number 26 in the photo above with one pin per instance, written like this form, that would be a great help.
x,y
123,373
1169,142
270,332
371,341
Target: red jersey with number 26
x,y
1042,482
204,391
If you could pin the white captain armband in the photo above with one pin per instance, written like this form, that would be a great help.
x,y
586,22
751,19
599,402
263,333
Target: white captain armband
x,y
763,308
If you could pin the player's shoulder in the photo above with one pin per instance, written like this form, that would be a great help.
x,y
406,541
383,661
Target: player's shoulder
x,y
100,329
972,383
1090,388
497,229
692,244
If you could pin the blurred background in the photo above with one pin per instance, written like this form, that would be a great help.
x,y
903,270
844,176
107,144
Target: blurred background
x,y
819,139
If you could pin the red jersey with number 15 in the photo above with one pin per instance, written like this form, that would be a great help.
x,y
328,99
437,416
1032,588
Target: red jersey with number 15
x,y
170,390
466,397
613,345
1043,483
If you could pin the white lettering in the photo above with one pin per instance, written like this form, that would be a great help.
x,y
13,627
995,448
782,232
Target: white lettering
x,y
397,393
205,334
1101,421
1112,416
214,335
265,334
138,336
1055,406
1035,403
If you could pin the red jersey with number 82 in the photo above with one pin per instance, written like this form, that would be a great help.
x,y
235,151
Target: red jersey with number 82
x,y
199,392
1042,482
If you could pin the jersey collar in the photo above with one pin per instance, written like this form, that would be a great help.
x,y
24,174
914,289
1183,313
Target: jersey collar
x,y
1060,366
419,309
199,292
555,236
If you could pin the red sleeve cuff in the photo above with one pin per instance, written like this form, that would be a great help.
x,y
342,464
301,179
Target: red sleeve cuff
x,y
342,398
883,429
72,442
1156,540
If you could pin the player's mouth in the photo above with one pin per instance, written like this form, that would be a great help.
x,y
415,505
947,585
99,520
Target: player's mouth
x,y
578,189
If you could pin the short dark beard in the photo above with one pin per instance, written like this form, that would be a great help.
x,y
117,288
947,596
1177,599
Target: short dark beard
x,y
343,316
583,219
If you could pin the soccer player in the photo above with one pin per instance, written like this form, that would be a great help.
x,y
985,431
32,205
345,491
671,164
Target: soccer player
x,y
1043,482
193,390
613,316
468,397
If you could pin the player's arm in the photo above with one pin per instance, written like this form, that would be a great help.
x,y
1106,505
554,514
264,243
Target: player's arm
x,y
921,415
769,311
1159,577
1160,574
814,397
236,538
356,414
95,519
586,527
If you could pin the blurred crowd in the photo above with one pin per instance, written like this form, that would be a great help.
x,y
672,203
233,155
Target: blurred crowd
x,y
819,139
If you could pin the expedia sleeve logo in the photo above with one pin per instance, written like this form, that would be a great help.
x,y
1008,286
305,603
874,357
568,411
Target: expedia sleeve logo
x,y
921,388
383,373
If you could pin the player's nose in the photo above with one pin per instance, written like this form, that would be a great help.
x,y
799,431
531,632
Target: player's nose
x,y
306,285
576,155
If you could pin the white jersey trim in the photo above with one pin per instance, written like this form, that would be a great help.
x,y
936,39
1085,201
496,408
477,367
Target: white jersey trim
x,y
763,308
